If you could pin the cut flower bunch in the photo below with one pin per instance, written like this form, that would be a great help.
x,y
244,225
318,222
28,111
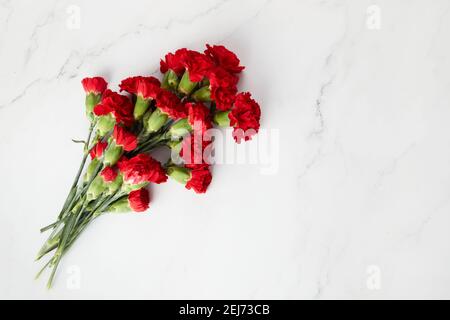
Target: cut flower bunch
x,y
198,91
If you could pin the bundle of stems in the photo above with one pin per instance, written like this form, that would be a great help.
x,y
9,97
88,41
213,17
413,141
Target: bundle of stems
x,y
78,212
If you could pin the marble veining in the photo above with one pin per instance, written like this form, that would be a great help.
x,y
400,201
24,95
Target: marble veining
x,y
357,208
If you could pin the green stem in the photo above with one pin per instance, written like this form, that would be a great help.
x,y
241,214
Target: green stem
x,y
73,188
59,252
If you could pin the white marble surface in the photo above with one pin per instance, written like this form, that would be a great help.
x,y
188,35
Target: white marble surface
x,y
358,208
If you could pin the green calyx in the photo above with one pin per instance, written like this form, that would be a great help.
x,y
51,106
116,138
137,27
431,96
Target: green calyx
x,y
112,187
140,107
127,187
186,86
170,80
95,189
120,206
221,119
92,100
180,128
105,124
203,94
155,121
90,171
179,174
175,145
112,154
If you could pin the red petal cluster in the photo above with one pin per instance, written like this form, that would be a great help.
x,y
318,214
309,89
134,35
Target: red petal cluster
x,y
98,149
141,168
139,200
223,87
199,116
109,174
200,180
146,87
124,138
96,85
174,62
218,64
224,58
117,105
197,64
245,117
195,151
171,105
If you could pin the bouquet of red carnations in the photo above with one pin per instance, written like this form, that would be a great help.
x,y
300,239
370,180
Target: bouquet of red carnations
x,y
197,91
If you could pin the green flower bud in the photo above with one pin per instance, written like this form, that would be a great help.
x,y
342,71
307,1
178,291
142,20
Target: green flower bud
x,y
95,189
92,100
186,85
112,154
170,80
179,174
221,119
203,94
120,206
140,107
90,171
180,128
105,124
155,121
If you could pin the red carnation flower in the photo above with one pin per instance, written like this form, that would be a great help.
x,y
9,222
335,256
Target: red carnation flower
x,y
197,64
109,174
124,138
194,152
223,87
223,97
219,77
117,105
98,149
199,116
200,180
174,62
96,85
224,57
244,116
141,168
146,87
139,200
171,105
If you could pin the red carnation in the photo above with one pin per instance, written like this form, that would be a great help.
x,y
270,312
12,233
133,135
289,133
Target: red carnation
x,y
219,77
200,180
124,138
145,87
223,97
199,116
109,174
96,85
244,116
224,57
139,200
223,87
117,105
197,64
171,105
174,62
141,168
193,152
98,149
